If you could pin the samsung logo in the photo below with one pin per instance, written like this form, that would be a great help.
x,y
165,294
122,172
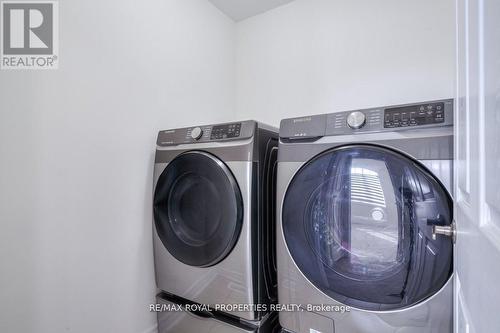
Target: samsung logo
x,y
302,120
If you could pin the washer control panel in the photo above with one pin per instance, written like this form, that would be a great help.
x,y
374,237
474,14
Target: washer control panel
x,y
208,133
414,115
380,119
356,119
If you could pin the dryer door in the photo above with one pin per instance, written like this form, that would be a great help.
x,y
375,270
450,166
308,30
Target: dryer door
x,y
358,221
198,209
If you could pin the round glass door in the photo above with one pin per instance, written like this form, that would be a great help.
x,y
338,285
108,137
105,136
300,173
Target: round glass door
x,y
198,209
358,223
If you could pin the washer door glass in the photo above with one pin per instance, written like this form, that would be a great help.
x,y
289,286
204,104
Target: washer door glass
x,y
198,209
358,221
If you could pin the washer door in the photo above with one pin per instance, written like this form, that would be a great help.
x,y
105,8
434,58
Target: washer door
x,y
198,209
358,220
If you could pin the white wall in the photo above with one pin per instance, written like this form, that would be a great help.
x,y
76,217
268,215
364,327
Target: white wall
x,y
76,158
318,56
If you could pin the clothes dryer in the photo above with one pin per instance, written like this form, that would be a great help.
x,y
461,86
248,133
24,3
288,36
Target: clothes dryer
x,y
214,190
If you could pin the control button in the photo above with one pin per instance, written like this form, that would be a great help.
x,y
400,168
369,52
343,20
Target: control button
x,y
356,120
196,133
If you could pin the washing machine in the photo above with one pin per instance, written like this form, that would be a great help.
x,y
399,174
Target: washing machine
x,y
214,217
364,220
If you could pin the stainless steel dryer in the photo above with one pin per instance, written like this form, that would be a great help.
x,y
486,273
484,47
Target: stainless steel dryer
x,y
362,197
213,214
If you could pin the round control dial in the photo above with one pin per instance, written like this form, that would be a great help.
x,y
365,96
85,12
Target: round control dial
x,y
196,133
356,119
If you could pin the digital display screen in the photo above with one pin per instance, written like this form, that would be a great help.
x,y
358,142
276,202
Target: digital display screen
x,y
225,131
414,115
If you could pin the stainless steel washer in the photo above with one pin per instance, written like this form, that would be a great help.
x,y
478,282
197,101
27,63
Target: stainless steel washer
x,y
359,196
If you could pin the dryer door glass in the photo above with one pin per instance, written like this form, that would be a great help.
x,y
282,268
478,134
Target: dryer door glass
x,y
198,209
358,221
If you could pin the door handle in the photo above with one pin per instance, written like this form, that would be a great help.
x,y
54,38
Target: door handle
x,y
200,314
445,230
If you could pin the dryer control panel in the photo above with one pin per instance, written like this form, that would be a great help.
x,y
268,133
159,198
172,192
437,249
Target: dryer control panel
x,y
226,131
207,133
